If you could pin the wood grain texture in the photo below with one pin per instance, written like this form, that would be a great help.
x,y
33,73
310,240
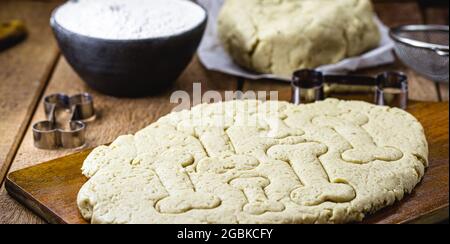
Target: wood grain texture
x,y
115,117
54,197
24,71
119,116
50,189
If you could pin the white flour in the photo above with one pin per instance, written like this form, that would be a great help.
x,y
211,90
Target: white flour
x,y
129,19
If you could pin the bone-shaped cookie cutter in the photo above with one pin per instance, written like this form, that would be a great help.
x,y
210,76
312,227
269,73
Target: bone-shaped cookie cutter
x,y
308,86
49,134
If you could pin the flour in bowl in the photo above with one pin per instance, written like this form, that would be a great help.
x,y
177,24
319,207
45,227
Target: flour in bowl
x,y
129,19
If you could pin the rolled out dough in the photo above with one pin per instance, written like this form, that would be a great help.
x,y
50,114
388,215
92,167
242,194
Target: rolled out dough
x,y
257,162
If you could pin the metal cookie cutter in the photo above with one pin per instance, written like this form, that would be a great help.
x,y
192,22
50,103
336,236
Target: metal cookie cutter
x,y
52,134
391,88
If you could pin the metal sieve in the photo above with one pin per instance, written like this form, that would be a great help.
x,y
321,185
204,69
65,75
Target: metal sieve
x,y
424,48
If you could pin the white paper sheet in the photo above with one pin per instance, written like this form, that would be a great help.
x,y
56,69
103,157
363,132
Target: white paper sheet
x,y
214,57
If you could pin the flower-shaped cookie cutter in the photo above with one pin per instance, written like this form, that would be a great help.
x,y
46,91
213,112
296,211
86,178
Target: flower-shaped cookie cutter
x,y
390,87
53,134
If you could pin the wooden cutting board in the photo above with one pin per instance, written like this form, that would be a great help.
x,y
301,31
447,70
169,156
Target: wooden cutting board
x,y
50,189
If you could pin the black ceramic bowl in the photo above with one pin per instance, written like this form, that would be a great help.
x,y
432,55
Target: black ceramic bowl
x,y
129,68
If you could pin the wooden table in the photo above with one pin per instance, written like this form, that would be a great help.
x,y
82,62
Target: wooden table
x,y
35,68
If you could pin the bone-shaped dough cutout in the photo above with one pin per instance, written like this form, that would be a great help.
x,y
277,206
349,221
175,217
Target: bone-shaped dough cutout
x,y
279,129
258,203
215,141
182,195
317,188
233,164
364,148
246,140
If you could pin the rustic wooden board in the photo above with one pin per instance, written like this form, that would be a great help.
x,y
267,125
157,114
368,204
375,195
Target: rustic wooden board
x,y
50,189
24,71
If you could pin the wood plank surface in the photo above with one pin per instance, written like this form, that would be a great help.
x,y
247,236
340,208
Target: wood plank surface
x,y
50,189
24,71
120,116
115,117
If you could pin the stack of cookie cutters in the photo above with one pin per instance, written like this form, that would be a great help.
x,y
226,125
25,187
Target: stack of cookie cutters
x,y
53,134
308,86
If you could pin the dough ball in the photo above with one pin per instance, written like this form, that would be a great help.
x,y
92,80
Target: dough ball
x,y
281,36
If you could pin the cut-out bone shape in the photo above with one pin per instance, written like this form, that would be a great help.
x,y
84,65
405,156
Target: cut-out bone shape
x,y
253,188
364,148
182,196
279,130
233,164
306,164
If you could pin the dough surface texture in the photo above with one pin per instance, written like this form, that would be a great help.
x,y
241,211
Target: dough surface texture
x,y
281,36
257,162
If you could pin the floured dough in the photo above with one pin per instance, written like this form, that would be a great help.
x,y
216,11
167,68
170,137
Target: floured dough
x,y
257,162
281,36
